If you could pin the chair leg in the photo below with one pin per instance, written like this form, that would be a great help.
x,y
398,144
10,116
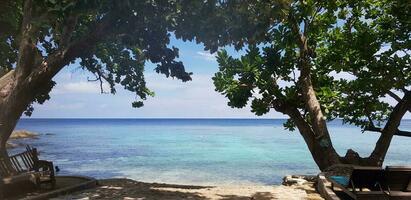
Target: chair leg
x,y
53,183
1,191
37,182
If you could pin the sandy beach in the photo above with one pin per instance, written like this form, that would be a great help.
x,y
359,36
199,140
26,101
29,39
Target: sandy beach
x,y
128,189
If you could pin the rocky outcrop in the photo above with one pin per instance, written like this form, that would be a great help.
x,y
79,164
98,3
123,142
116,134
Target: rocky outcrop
x,y
20,134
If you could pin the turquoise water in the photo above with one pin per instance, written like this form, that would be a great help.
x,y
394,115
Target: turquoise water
x,y
191,151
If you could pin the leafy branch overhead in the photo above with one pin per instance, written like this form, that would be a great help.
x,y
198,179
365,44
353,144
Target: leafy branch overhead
x,y
359,52
111,39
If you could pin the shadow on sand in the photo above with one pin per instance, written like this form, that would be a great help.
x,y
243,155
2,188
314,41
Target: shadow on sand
x,y
129,190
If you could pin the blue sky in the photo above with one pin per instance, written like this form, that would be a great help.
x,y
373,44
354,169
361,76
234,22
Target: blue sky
x,y
75,97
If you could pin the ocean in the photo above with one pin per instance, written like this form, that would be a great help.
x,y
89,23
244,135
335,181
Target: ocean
x,y
192,151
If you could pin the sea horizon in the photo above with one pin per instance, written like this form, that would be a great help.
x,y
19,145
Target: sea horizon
x,y
166,118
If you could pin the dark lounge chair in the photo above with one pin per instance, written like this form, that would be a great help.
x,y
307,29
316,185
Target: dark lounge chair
x,y
398,182
364,183
393,183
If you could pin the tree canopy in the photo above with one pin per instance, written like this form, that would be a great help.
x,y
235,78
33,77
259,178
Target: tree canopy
x,y
111,39
316,61
359,52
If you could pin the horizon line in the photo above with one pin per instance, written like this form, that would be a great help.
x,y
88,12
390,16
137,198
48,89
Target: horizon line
x,y
144,118
160,118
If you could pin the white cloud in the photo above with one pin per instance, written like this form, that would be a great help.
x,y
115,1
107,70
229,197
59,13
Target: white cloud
x,y
86,87
174,98
206,55
342,76
196,98
66,106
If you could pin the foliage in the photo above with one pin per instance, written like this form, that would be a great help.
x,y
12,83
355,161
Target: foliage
x,y
366,43
136,32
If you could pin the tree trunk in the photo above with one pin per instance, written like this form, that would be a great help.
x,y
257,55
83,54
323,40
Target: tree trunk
x,y
321,149
15,97
315,133
323,155
33,72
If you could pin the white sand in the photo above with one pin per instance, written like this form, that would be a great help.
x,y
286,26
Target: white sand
x,y
127,189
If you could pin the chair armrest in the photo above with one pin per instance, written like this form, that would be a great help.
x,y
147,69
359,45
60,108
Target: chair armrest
x,y
44,165
46,168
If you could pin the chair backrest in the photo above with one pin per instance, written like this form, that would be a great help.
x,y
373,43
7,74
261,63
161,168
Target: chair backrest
x,y
5,168
24,161
367,177
397,177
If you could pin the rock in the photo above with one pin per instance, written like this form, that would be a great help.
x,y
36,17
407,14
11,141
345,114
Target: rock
x,y
339,170
20,134
10,145
294,180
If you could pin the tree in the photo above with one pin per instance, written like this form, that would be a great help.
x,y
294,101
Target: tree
x,y
111,39
295,49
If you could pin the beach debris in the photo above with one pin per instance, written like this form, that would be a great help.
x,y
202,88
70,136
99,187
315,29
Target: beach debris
x,y
294,180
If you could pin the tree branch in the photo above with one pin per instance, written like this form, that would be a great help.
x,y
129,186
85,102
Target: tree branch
x,y
312,104
6,83
371,123
68,30
380,130
390,128
65,54
99,77
394,96
303,126
27,49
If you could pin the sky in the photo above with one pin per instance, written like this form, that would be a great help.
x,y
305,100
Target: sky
x,y
75,97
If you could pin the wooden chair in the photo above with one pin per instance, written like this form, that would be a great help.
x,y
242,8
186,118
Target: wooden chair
x,y
398,182
26,166
364,183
